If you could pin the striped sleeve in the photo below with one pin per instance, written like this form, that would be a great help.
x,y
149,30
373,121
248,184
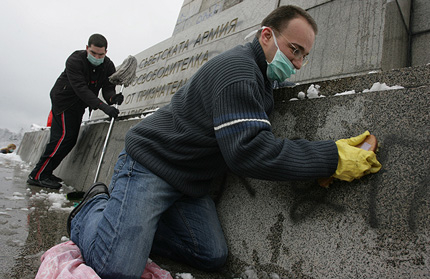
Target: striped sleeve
x,y
249,147
239,107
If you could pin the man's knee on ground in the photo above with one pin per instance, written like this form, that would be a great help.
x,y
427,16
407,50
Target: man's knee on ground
x,y
213,260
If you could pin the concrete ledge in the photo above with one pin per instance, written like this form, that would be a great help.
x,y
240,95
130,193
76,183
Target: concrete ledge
x,y
32,145
376,227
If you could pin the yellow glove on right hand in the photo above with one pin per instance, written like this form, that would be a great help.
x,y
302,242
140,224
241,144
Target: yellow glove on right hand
x,y
355,162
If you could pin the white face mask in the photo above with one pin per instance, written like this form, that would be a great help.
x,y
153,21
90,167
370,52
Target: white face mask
x,y
281,67
95,61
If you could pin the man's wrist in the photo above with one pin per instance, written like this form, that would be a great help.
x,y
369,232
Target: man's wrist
x,y
102,106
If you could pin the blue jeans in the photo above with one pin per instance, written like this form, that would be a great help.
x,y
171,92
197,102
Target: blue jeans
x,y
116,234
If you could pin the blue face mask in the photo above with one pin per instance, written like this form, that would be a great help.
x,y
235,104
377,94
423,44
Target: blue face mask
x,y
281,67
95,61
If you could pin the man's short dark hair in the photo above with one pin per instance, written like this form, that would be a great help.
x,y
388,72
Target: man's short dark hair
x,y
279,18
97,40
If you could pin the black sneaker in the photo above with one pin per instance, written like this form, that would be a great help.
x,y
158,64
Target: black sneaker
x,y
46,182
56,178
97,189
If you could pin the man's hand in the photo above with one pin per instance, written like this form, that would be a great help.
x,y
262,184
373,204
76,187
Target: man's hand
x,y
355,162
109,110
117,99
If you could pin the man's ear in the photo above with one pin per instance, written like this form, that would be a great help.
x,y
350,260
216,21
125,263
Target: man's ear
x,y
266,35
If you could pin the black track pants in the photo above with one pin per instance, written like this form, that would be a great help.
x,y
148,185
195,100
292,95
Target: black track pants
x,y
64,134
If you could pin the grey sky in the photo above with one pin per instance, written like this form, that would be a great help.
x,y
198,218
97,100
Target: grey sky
x,y
38,36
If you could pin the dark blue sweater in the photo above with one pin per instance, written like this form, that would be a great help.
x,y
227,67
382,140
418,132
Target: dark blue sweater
x,y
218,121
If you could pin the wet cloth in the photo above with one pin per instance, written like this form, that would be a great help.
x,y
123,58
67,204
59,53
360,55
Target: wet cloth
x,y
65,261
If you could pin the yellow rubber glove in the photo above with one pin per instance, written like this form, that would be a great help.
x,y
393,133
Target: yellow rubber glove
x,y
355,162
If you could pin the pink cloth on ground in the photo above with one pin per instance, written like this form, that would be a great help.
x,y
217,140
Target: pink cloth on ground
x,y
65,261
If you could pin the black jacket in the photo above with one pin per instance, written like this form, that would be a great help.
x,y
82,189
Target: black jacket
x,y
81,82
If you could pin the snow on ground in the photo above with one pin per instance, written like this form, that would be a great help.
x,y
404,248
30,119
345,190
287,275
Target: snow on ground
x,y
54,201
381,87
13,160
314,91
251,273
137,117
35,127
183,276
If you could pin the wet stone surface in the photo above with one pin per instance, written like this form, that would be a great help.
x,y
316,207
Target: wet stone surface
x,y
32,219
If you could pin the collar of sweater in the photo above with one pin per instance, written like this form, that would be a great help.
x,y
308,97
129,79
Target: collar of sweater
x,y
259,55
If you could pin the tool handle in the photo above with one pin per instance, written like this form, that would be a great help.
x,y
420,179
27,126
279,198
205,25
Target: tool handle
x,y
106,141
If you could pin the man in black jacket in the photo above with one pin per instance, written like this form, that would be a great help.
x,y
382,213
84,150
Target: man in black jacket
x,y
87,71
